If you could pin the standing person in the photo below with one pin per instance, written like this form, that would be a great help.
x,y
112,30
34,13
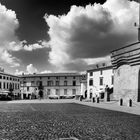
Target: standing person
x,y
97,96
93,97
107,91
85,94
90,95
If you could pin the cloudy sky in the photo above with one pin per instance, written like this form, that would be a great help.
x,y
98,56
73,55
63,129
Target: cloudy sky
x,y
58,35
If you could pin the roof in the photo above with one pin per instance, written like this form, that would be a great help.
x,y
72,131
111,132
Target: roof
x,y
4,73
51,74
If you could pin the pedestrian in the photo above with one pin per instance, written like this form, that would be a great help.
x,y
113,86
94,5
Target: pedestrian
x,y
97,96
107,91
93,97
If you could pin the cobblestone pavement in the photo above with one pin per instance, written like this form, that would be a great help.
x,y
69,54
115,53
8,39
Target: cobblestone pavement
x,y
54,121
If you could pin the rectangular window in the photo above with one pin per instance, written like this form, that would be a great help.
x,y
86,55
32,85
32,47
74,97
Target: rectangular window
x,y
57,83
74,91
65,83
65,91
101,72
57,92
73,77
65,77
91,82
32,83
7,78
101,81
0,77
74,83
50,83
91,73
3,85
7,85
112,80
13,86
24,83
48,91
27,88
57,77
3,77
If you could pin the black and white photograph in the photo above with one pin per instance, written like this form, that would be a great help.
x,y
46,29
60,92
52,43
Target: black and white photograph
x,y
69,69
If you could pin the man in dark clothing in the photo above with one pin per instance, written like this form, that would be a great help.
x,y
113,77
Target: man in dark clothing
x,y
107,90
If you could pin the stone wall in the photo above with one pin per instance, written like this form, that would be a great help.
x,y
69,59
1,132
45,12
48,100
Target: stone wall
x,y
126,82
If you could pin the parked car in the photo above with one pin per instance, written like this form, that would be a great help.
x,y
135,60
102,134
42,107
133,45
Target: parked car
x,y
67,96
53,96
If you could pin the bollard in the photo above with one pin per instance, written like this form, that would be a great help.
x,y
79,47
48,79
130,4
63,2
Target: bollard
x,y
98,100
121,102
130,103
93,99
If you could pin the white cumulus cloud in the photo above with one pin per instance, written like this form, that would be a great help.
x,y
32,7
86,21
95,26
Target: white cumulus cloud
x,y
90,32
17,72
31,69
9,59
8,25
46,71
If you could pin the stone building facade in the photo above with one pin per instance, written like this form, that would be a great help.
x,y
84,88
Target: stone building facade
x,y
100,76
8,81
54,84
126,64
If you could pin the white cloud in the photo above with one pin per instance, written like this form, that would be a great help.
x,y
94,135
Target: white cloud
x,y
85,33
8,39
90,61
8,25
17,72
23,45
9,59
46,71
31,69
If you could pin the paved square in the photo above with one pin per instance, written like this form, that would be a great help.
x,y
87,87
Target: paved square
x,y
54,121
